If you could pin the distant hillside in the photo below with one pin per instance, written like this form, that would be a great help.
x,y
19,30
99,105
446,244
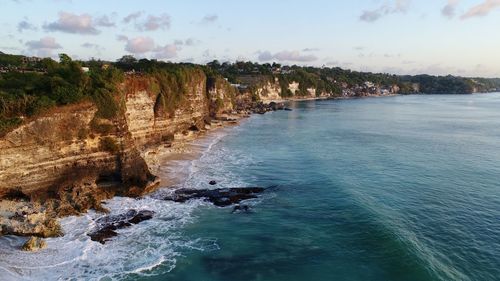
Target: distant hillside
x,y
336,80
30,86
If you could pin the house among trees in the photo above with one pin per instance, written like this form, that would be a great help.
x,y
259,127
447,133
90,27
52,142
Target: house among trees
x,y
30,60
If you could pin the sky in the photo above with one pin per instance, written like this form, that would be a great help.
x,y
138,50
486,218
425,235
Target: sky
x,y
439,37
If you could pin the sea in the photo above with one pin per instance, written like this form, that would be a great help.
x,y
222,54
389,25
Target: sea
x,y
402,188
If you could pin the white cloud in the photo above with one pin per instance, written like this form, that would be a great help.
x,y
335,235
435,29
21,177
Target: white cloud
x,y
104,21
209,19
450,9
310,50
140,45
121,37
43,47
153,23
399,6
192,42
43,43
96,47
482,9
72,23
132,17
166,52
291,56
25,25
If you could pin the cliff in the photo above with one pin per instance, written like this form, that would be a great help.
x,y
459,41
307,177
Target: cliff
x,y
71,158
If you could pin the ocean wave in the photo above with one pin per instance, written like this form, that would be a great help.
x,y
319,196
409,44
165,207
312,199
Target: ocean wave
x,y
149,248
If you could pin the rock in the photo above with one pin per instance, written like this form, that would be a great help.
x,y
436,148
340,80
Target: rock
x,y
107,225
273,106
212,182
276,106
287,109
27,219
34,244
241,208
219,197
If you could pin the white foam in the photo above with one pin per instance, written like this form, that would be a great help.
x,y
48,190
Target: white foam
x,y
137,249
151,247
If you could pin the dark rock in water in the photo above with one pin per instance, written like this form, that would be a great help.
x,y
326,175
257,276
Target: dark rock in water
x,y
276,106
287,109
107,225
273,106
241,208
212,182
219,197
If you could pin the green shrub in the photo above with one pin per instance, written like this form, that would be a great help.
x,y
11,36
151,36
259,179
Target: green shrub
x,y
40,105
107,107
7,124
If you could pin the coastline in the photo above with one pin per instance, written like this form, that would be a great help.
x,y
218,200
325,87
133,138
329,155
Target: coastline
x,y
169,162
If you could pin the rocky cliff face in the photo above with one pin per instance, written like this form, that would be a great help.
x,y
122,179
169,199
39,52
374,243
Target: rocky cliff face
x,y
71,159
269,91
272,91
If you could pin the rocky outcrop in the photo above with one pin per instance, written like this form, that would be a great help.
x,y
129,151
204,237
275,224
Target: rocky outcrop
x,y
71,159
270,91
106,226
221,96
34,244
219,197
27,219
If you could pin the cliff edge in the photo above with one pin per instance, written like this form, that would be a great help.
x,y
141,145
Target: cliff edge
x,y
70,159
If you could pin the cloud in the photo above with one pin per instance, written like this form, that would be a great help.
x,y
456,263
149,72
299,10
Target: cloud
x,y
43,43
140,45
153,23
89,45
25,25
450,9
310,50
132,17
408,62
399,6
292,56
209,19
43,47
188,42
265,56
166,52
72,23
482,9
192,42
105,22
121,37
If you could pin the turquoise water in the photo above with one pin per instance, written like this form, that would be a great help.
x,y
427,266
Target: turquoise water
x,y
395,188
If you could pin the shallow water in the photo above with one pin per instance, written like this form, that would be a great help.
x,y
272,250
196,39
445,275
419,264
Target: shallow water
x,y
394,188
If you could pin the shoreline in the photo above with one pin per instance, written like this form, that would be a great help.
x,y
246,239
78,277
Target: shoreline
x,y
168,162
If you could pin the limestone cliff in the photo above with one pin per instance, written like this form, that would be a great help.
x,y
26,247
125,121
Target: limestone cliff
x,y
72,158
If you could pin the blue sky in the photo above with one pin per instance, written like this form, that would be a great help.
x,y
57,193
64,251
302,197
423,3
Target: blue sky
x,y
441,37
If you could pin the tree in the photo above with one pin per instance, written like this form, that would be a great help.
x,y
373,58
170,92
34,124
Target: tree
x,y
127,59
64,59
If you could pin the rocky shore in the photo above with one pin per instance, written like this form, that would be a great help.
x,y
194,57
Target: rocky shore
x,y
36,214
74,174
